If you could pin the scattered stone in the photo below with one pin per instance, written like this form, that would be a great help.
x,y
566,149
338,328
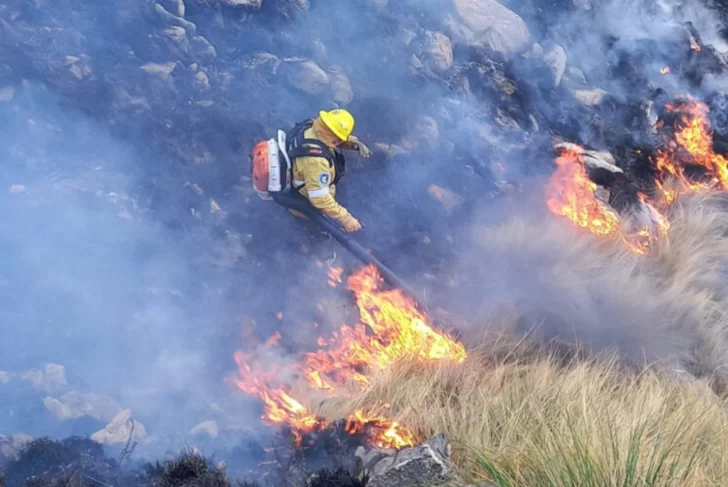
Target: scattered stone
x,y
164,71
202,81
51,378
574,78
171,19
263,60
118,431
305,75
206,428
194,187
590,97
436,52
341,89
555,58
593,160
74,404
488,24
203,47
179,7
177,34
252,4
7,93
419,466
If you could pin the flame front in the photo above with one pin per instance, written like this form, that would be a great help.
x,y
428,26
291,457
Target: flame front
x,y
572,194
686,164
692,145
391,329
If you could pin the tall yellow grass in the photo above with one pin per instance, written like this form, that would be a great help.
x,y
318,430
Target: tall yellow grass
x,y
544,423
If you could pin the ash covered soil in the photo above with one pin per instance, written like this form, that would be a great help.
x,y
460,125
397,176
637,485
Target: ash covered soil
x,y
137,258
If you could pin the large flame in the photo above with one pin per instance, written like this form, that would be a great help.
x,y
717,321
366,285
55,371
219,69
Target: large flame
x,y
692,145
391,329
570,192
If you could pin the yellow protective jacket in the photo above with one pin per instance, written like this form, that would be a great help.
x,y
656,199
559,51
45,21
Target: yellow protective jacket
x,y
316,176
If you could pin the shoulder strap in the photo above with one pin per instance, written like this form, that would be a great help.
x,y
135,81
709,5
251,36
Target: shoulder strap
x,y
311,148
299,146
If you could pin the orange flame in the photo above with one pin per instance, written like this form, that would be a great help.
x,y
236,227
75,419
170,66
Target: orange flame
x,y
571,194
694,45
692,144
665,70
391,329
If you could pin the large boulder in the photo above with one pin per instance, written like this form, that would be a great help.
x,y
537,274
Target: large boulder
x,y
121,430
305,75
436,52
74,404
341,89
488,24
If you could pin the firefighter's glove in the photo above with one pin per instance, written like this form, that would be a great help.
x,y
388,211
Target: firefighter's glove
x,y
351,224
360,147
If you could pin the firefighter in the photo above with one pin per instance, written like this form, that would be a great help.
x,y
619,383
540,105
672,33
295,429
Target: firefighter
x,y
314,148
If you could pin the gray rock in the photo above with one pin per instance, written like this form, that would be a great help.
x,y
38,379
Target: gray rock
x,y
574,78
176,7
206,428
555,58
341,89
170,19
488,24
252,4
593,160
436,52
164,71
305,75
590,97
74,404
420,466
264,61
120,430
177,34
179,42
203,47
51,378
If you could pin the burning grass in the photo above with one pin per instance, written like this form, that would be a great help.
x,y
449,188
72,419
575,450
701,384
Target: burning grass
x,y
540,422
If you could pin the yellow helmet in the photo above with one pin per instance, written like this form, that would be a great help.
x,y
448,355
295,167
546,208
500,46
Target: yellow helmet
x,y
339,121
